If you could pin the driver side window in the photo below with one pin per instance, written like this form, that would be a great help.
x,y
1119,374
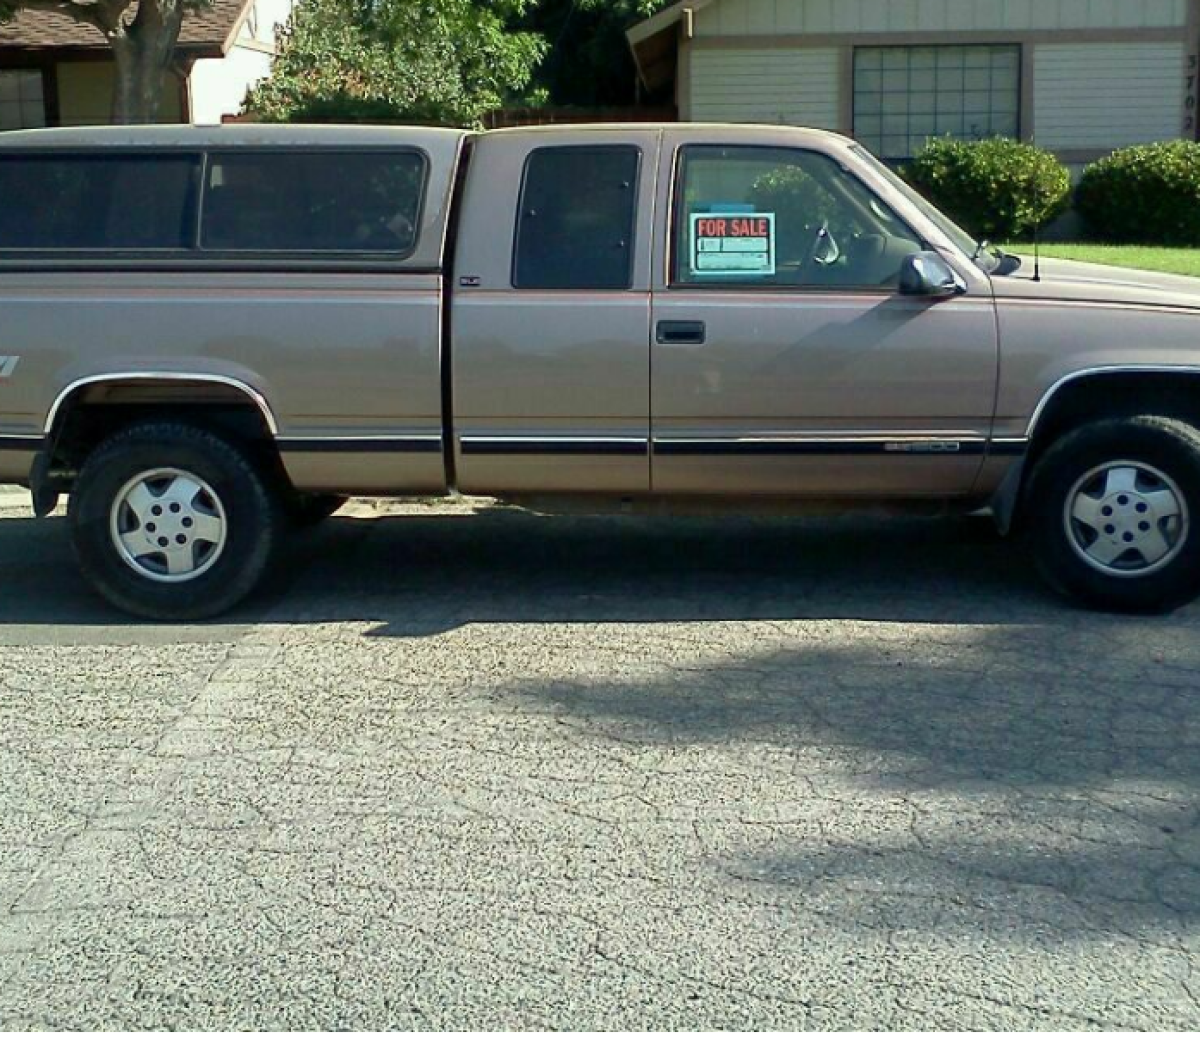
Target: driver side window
x,y
782,217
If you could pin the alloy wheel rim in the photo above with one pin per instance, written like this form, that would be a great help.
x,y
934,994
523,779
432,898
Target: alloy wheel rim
x,y
168,525
1126,519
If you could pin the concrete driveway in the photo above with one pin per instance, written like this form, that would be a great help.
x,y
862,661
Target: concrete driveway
x,y
494,770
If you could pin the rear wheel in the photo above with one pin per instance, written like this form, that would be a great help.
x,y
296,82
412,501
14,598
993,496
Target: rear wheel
x,y
1112,511
171,522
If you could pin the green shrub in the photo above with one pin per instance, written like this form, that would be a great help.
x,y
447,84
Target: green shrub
x,y
997,188
1144,195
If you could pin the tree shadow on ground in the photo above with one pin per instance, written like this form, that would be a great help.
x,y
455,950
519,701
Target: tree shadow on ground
x,y
1037,779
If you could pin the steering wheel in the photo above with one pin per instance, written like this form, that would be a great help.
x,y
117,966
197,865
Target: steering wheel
x,y
811,264
823,235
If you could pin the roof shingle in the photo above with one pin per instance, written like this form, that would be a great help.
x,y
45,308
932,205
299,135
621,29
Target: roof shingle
x,y
205,30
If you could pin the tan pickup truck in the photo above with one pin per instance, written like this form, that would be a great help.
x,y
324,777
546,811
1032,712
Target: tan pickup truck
x,y
210,335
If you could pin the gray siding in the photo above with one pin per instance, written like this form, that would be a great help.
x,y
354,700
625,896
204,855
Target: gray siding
x,y
733,17
786,85
1103,96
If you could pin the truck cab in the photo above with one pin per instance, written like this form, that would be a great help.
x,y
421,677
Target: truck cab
x,y
700,311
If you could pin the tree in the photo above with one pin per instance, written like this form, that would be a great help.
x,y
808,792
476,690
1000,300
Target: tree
x,y
589,63
142,35
447,61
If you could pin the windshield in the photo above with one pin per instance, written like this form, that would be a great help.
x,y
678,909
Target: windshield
x,y
987,257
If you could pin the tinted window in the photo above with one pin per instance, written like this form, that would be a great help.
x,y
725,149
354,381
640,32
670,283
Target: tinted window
x,y
575,221
340,202
97,202
782,217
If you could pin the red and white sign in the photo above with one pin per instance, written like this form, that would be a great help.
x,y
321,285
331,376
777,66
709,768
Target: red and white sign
x,y
732,245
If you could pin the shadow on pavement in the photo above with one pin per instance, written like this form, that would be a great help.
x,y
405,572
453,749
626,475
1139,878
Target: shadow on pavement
x,y
1035,768
1034,781
415,575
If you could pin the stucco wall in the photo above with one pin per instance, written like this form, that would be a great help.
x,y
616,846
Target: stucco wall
x,y
218,86
85,94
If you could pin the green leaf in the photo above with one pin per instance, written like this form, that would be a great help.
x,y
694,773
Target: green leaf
x,y
438,61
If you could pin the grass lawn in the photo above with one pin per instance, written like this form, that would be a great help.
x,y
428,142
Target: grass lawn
x,y
1164,259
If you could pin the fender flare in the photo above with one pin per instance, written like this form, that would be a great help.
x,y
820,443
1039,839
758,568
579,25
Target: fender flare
x,y
253,394
1043,403
1006,498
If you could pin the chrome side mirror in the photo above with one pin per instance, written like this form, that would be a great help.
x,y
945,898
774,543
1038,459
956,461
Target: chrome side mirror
x,y
927,274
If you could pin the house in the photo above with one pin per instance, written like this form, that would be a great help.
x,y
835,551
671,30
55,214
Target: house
x,y
55,71
1080,77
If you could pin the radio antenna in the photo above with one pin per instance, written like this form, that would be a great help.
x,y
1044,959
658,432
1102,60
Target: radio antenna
x,y
1037,221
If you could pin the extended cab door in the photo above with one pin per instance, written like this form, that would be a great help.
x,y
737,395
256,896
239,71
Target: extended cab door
x,y
550,312
784,359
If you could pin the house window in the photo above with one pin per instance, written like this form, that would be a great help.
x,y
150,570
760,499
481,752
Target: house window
x,y
22,100
904,96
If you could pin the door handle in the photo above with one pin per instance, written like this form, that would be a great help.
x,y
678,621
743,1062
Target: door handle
x,y
679,332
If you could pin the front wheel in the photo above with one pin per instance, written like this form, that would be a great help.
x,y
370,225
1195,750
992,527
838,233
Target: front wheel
x,y
1112,510
170,522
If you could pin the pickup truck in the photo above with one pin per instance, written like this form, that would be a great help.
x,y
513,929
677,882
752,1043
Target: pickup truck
x,y
210,336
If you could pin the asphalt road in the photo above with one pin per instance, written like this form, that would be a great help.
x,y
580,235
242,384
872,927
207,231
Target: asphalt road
x,y
495,770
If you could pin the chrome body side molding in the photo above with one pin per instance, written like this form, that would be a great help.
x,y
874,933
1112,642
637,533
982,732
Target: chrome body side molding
x,y
558,444
430,443
9,441
921,443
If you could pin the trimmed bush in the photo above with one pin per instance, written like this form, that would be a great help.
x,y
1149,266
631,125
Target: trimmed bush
x,y
1144,195
997,188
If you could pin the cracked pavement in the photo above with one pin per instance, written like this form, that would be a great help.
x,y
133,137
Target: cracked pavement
x,y
460,769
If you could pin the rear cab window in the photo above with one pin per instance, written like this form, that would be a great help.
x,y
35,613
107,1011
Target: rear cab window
x,y
576,218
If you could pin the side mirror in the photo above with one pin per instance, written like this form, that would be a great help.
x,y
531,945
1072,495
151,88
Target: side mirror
x,y
927,274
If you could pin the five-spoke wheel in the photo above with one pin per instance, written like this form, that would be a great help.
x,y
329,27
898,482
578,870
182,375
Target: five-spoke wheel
x,y
1109,508
168,525
1126,518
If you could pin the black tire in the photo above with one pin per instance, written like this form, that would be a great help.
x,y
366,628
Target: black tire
x,y
253,521
1158,443
307,511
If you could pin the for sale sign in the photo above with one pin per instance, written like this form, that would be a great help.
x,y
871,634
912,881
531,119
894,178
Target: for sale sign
x,y
733,245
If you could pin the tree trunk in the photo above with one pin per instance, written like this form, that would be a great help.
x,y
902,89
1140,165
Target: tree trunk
x,y
144,50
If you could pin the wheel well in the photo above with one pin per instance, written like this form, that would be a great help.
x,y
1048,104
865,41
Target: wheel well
x,y
94,412
1124,394
1093,398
